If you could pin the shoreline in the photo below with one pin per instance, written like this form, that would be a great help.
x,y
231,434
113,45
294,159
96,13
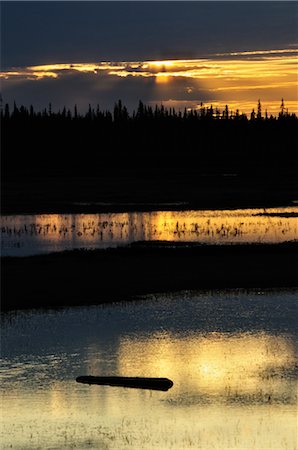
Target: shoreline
x,y
114,207
85,277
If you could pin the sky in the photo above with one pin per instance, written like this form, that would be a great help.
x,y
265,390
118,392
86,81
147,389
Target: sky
x,y
176,53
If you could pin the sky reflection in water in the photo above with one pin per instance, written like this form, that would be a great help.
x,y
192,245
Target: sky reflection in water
x,y
24,235
231,356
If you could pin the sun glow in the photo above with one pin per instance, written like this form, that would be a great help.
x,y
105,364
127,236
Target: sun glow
x,y
240,77
160,65
162,78
271,63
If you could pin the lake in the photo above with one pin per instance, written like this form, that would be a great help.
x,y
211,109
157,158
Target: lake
x,y
231,356
24,235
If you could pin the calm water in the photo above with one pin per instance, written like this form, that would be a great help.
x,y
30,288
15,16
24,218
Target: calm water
x,y
231,355
34,234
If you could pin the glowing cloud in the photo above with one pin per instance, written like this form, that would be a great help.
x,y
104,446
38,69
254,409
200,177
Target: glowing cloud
x,y
241,77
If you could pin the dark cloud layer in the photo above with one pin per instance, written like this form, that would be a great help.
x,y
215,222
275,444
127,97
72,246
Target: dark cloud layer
x,y
36,33
82,89
48,32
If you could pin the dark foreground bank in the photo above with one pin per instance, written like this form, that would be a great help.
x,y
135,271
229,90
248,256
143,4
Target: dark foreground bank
x,y
93,277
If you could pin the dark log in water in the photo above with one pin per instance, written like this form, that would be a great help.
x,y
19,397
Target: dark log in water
x,y
160,384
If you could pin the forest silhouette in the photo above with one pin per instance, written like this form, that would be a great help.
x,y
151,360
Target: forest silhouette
x,y
156,142
67,141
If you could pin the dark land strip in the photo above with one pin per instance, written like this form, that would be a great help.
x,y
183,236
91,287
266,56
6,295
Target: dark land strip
x,y
115,161
94,277
139,189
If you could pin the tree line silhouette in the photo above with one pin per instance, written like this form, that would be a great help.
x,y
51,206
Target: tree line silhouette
x,y
207,139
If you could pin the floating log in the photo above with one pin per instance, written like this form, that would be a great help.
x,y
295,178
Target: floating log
x,y
159,384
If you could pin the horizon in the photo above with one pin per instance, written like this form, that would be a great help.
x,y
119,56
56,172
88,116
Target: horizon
x,y
215,110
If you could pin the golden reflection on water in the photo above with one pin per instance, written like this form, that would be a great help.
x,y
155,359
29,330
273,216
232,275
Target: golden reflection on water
x,y
214,364
231,391
37,233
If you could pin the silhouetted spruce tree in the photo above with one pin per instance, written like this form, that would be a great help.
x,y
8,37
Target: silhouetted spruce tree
x,y
282,108
225,113
210,112
259,113
140,110
15,109
202,110
6,111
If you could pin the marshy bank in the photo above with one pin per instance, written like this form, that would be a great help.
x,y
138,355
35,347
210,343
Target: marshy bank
x,y
123,273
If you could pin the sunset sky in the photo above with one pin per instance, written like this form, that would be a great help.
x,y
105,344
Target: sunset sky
x,y
177,53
